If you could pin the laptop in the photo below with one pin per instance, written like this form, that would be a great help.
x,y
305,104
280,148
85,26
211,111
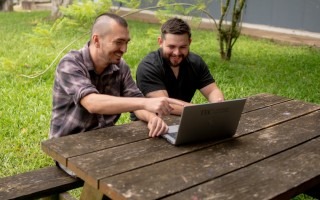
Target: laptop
x,y
209,121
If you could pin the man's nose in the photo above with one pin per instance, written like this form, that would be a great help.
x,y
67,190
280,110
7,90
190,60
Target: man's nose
x,y
176,51
124,47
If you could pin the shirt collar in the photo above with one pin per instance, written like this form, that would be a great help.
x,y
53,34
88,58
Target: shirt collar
x,y
89,64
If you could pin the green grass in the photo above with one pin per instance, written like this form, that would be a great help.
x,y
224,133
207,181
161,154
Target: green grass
x,y
256,66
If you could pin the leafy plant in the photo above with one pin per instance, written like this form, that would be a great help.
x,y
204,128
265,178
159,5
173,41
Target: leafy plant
x,y
82,13
42,35
76,17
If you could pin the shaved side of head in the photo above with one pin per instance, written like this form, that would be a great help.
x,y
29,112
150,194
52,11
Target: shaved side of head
x,y
103,24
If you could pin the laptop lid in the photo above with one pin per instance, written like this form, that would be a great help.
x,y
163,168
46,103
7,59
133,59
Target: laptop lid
x,y
201,122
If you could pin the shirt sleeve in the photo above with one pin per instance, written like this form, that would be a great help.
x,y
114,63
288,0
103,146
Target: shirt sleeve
x,y
201,69
74,80
150,74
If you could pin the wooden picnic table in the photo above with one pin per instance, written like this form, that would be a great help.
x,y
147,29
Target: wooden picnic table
x,y
275,154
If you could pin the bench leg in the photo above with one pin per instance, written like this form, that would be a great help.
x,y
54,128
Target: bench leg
x,y
91,193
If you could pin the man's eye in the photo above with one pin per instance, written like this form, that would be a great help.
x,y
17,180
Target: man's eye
x,y
120,43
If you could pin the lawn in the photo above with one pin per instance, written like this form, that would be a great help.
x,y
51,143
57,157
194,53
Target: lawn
x,y
256,66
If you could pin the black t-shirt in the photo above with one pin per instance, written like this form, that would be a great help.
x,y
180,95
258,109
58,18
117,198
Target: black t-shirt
x,y
154,73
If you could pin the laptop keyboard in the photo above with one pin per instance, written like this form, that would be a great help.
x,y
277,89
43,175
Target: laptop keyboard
x,y
173,131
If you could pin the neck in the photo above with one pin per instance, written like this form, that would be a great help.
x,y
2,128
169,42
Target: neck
x,y
175,70
98,64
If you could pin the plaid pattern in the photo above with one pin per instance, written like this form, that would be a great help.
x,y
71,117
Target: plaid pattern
x,y
74,79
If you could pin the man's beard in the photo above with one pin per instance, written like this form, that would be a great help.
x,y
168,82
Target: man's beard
x,y
181,57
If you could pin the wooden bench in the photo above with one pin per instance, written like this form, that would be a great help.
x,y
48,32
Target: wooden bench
x,y
50,182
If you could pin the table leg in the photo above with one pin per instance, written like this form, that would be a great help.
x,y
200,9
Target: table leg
x,y
91,193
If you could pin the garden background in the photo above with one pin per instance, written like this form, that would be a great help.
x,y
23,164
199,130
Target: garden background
x,y
257,66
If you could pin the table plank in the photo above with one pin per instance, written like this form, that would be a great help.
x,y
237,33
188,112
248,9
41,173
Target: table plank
x,y
290,168
211,162
69,146
262,100
109,162
272,115
91,141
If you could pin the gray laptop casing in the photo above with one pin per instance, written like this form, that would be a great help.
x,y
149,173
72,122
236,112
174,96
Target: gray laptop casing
x,y
208,121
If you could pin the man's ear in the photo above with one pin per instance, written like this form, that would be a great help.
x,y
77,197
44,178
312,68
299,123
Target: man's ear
x,y
160,41
96,41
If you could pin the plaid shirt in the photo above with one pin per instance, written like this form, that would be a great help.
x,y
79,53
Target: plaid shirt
x,y
74,79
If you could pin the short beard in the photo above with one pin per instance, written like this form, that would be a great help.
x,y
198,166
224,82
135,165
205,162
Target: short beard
x,y
174,66
177,65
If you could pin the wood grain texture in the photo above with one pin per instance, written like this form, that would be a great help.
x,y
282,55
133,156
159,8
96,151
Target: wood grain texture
x,y
36,184
69,146
108,162
290,168
261,101
177,174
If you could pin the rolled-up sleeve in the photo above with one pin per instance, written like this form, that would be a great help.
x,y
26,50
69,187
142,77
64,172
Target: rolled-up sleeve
x,y
74,81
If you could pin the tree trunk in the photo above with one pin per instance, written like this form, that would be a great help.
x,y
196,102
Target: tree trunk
x,y
221,44
55,13
229,53
6,5
229,33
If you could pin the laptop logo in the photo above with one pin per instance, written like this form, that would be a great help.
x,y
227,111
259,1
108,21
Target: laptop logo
x,y
206,112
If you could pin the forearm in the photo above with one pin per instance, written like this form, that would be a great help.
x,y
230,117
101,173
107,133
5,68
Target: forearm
x,y
144,115
177,109
216,96
109,105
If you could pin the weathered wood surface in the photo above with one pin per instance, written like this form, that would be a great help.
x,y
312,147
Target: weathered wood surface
x,y
262,100
36,184
272,115
61,150
109,162
69,146
123,162
198,167
284,172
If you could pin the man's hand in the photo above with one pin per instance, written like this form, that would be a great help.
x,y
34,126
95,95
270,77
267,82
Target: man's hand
x,y
218,100
157,127
161,105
